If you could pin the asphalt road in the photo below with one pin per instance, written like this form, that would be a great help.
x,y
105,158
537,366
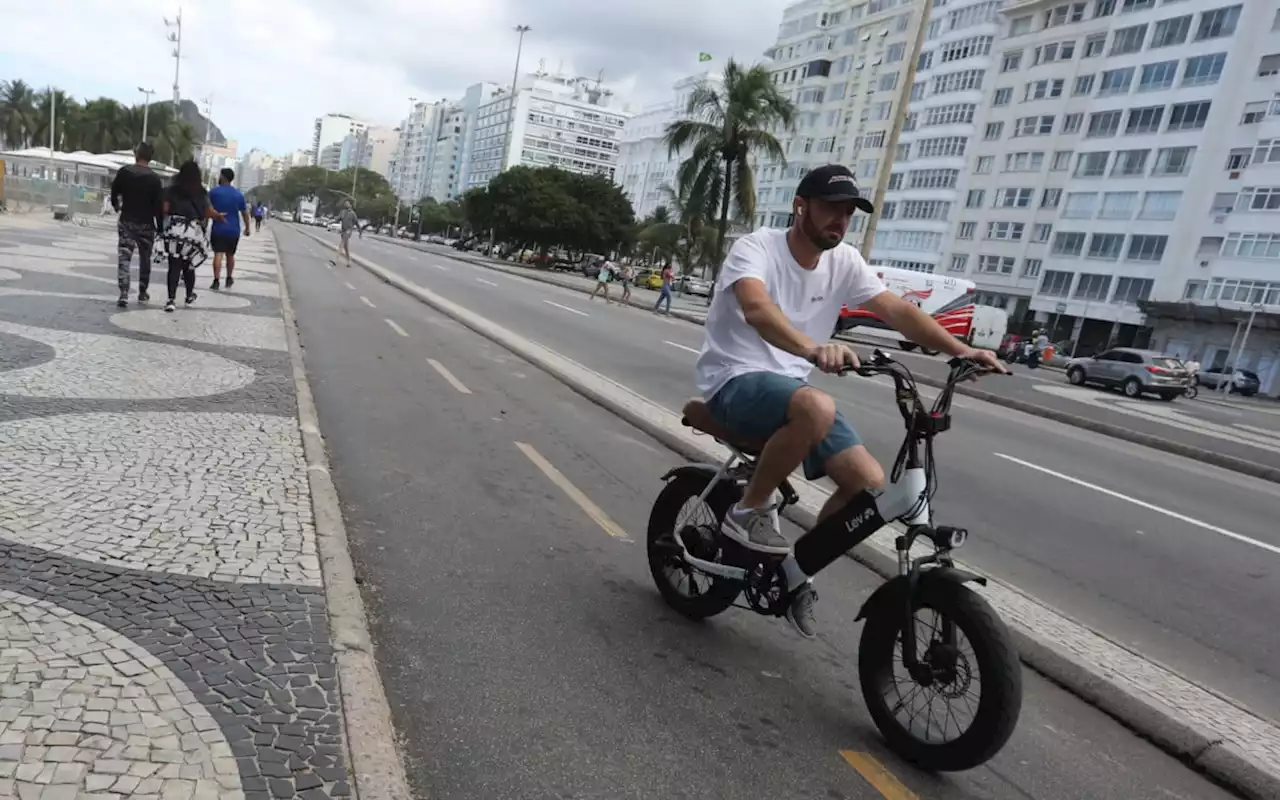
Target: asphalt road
x,y
1177,559
524,649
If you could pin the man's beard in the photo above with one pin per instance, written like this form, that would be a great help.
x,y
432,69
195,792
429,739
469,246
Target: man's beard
x,y
820,239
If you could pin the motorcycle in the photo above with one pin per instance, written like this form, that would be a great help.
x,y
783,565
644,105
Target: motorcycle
x,y
1025,353
717,570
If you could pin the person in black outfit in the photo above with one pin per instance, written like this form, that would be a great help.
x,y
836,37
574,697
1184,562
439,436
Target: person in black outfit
x,y
186,212
136,194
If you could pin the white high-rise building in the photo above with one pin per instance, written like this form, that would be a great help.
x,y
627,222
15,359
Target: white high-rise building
x,y
645,165
332,129
843,64
1126,185
920,197
558,122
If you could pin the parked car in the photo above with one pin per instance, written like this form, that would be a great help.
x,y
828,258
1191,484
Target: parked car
x,y
691,285
1244,381
648,279
1135,372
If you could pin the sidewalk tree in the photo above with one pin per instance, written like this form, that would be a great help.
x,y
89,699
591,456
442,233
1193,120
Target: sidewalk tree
x,y
725,125
17,113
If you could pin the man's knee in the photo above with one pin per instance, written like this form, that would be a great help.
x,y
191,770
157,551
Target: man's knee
x,y
813,409
854,469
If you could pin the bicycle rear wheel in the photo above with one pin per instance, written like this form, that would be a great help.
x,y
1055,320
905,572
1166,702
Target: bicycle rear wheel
x,y
690,592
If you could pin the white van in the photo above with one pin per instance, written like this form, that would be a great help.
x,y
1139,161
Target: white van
x,y
949,300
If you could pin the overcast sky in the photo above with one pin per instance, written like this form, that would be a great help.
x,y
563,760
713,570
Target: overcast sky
x,y
273,66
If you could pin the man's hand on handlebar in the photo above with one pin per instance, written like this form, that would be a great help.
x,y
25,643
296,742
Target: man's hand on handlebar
x,y
984,358
833,358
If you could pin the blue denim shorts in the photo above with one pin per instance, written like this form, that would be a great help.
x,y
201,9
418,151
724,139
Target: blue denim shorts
x,y
754,406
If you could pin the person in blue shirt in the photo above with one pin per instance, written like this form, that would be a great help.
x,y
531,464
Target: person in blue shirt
x,y
225,236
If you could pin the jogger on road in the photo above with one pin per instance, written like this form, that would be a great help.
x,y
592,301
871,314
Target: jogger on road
x,y
138,195
225,236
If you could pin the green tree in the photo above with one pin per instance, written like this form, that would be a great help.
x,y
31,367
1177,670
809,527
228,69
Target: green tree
x,y
725,125
17,113
62,119
103,125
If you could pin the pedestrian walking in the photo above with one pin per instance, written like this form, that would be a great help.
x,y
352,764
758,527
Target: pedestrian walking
x,y
628,276
138,196
602,280
259,211
664,294
186,210
348,222
224,237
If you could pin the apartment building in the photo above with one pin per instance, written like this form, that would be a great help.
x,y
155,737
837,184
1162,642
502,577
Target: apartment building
x,y
559,121
920,199
331,129
843,64
645,166
1125,187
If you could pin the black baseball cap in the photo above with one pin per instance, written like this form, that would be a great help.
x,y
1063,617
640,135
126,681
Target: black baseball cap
x,y
833,182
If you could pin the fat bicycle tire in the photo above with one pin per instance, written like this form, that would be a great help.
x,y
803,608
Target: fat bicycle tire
x,y
998,667
721,593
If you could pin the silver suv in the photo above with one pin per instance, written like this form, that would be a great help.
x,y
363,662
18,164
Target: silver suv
x,y
1135,372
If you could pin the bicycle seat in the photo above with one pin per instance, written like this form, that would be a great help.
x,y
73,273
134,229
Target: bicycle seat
x,y
698,416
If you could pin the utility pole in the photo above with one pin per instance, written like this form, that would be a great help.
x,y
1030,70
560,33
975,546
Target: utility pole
x,y
899,118
208,115
355,167
175,37
146,109
53,126
515,78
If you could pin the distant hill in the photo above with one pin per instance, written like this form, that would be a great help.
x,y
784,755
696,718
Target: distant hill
x,y
190,114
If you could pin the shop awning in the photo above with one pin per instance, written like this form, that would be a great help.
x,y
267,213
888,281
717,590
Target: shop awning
x,y
1268,317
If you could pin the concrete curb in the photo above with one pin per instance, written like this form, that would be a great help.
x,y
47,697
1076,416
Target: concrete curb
x,y
1199,726
1222,460
374,757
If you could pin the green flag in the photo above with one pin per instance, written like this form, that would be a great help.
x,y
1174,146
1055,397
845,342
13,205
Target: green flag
x,y
704,57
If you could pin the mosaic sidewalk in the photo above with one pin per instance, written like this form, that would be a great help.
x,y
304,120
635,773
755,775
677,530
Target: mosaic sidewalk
x,y
163,632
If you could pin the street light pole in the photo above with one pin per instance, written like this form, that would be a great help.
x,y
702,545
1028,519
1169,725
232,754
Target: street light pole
x,y
515,78
404,155
146,109
175,39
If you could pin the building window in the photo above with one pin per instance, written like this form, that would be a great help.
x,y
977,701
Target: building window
x,y
925,61
1011,61
959,263
1068,244
1080,205
932,178
1128,40
1132,291
1094,45
895,181
1267,152
1172,161
1093,287
1130,164
974,198
1005,231
1031,267
993,131
957,114
996,265
1050,198
888,82
941,147
1160,205
1218,23
1061,161
1033,126
1056,283
1169,32
1071,123
966,48
1258,199
1144,120
1103,124
1053,52
1158,76
1023,162
1115,81
967,230
961,81
1014,198
1002,96
1083,86
1020,25
1064,14
1188,116
1204,70
983,167
1106,246
1136,5
1103,8
1146,248
1252,245
1040,232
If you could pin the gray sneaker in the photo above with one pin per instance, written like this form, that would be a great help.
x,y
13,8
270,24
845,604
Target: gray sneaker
x,y
755,528
800,613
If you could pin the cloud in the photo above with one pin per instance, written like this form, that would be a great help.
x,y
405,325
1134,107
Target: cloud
x,y
273,67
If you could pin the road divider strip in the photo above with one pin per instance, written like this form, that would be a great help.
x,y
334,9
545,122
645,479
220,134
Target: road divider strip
x,y
396,327
880,778
1222,460
597,514
367,301
1203,728
448,376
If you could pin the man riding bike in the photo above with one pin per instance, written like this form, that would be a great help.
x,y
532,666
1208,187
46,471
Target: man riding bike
x,y
776,302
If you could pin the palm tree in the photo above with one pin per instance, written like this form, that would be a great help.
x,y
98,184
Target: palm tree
x,y
103,126
17,113
174,139
61,114
725,125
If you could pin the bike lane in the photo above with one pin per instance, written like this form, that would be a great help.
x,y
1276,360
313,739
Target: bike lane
x,y
525,649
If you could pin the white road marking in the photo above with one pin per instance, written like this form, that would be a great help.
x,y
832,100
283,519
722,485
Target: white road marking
x,y
1142,504
396,327
592,510
349,286
566,308
490,283
367,301
448,376
682,347
440,267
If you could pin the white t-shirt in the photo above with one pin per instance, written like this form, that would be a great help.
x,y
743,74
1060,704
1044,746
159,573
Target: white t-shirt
x,y
809,298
